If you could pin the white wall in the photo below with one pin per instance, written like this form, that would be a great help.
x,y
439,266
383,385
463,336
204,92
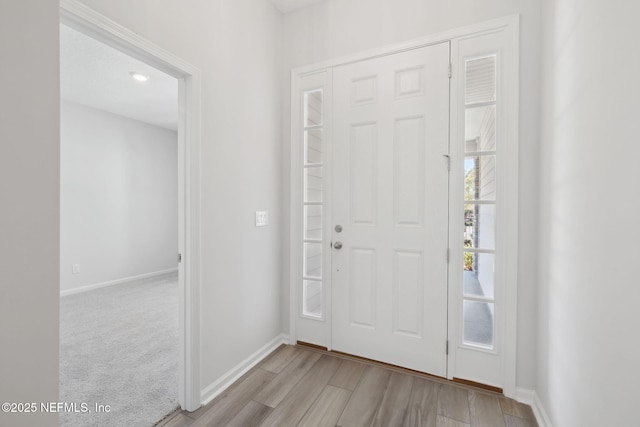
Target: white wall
x,y
29,207
588,320
119,197
338,27
237,44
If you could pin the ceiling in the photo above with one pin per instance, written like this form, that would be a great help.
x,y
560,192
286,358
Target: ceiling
x,y
286,6
98,76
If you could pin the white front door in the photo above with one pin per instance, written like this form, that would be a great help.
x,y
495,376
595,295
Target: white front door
x,y
390,208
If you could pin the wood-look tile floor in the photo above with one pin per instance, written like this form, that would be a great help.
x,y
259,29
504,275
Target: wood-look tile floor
x,y
298,386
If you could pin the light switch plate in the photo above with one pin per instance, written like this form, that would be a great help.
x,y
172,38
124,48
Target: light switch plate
x,y
262,218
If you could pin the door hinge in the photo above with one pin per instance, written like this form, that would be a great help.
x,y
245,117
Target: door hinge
x,y
179,258
450,67
447,347
447,255
448,157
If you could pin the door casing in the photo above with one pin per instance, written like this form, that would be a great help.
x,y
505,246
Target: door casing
x,y
84,19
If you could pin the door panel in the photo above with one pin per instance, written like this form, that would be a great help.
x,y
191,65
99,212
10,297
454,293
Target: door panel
x,y
390,195
363,173
362,291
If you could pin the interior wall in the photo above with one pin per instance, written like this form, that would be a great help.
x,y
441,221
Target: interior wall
x,y
588,323
118,197
336,28
237,45
29,213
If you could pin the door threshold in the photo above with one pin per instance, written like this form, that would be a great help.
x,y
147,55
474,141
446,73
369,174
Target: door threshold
x,y
372,362
478,385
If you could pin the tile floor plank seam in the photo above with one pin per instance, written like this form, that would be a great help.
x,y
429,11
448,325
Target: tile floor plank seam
x,y
327,409
335,391
290,411
286,380
309,408
361,408
393,407
453,403
422,409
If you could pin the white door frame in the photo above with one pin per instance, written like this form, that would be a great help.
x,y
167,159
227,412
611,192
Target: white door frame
x,y
510,25
88,21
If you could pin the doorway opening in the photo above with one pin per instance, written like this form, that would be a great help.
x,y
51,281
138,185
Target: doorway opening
x,y
119,303
184,259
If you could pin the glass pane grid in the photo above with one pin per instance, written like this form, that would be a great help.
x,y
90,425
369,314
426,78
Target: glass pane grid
x,y
313,108
479,274
313,184
479,226
472,154
480,178
478,323
313,223
312,286
480,80
312,260
480,128
478,285
480,104
480,202
480,250
478,299
313,139
312,298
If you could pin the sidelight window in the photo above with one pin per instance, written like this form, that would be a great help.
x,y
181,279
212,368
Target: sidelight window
x,y
313,205
480,200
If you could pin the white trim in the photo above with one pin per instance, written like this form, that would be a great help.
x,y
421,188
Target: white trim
x,y
84,19
221,384
510,189
531,398
475,29
505,338
525,395
295,225
81,17
86,288
312,330
509,24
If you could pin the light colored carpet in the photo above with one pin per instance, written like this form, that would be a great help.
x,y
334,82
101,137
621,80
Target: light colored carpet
x,y
119,347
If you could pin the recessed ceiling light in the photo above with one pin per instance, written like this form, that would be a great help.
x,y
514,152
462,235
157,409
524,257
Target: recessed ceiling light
x,y
138,77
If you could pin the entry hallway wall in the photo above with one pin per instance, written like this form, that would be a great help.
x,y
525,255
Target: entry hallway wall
x,y
119,197
237,45
336,28
588,355
29,207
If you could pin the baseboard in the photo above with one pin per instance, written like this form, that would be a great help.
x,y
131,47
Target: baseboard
x,y
222,383
530,397
116,282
